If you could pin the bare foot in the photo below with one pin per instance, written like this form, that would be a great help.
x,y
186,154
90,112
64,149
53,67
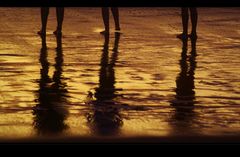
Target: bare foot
x,y
118,29
57,32
41,33
193,36
182,36
104,32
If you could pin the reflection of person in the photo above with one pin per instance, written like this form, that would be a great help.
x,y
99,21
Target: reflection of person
x,y
105,117
105,16
50,111
194,19
185,94
44,18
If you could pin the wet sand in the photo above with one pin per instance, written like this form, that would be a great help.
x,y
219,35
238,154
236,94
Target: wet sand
x,y
150,88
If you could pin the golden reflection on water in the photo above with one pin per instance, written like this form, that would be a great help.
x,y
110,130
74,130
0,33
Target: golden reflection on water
x,y
135,83
14,125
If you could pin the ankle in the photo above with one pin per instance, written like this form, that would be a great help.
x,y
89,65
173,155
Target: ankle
x,y
194,33
117,28
104,32
59,29
184,33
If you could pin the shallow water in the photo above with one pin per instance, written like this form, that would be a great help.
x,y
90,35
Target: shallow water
x,y
141,82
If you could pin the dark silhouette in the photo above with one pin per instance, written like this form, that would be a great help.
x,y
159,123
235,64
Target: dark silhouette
x,y
44,18
194,19
50,111
105,118
105,16
185,94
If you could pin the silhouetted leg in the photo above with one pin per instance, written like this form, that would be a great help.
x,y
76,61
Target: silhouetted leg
x,y
193,45
60,16
105,16
59,42
44,44
184,23
115,13
44,17
116,42
194,19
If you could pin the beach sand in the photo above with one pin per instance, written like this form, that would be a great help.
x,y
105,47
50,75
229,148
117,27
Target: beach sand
x,y
145,74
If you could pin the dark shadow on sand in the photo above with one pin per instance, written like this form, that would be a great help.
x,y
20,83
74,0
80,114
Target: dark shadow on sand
x,y
105,118
184,101
50,110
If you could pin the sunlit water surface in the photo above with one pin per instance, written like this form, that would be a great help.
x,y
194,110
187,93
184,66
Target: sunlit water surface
x,y
141,82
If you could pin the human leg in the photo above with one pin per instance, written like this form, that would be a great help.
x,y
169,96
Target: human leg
x,y
60,17
194,19
185,17
44,17
115,13
105,16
